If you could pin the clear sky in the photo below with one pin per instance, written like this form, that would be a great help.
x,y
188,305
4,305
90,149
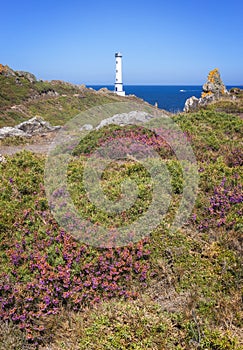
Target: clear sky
x,y
162,42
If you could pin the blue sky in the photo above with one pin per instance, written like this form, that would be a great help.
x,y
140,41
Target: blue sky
x,y
162,42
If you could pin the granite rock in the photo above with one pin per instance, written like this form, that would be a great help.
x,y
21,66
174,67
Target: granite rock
x,y
36,125
214,85
7,71
130,118
27,75
33,126
7,131
191,104
213,89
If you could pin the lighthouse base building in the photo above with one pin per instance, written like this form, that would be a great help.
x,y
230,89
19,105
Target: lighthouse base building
x,y
118,82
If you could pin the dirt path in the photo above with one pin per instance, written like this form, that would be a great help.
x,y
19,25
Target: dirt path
x,y
8,150
37,144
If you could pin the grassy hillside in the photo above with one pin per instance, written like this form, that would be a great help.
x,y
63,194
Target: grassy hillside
x,y
55,101
229,105
171,290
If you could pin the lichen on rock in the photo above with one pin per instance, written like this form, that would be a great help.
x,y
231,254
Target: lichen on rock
x,y
9,72
6,71
213,89
214,85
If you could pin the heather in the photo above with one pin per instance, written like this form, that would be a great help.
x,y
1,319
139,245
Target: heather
x,y
169,290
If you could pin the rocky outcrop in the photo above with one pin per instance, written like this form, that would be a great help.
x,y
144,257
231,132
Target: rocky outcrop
x,y
191,104
6,71
26,75
36,125
49,93
105,91
81,87
9,72
133,117
8,131
213,89
33,126
214,85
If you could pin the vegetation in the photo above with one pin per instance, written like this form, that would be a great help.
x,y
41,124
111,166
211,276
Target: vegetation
x,y
55,101
231,103
228,105
214,77
170,290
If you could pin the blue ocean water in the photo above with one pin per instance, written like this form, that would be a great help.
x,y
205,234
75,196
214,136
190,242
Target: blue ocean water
x,y
169,97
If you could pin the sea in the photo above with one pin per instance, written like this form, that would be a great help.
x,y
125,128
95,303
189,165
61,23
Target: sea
x,y
169,97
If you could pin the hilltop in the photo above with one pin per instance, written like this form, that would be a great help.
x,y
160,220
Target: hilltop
x,y
22,96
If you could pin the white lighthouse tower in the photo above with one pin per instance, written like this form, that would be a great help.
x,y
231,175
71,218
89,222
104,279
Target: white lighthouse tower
x,y
118,83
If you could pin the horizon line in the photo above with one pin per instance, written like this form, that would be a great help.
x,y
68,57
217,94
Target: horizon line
x,y
108,84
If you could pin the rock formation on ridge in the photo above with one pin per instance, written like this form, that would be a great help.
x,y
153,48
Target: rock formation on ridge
x,y
213,89
9,72
33,126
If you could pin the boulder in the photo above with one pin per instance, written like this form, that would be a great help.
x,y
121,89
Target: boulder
x,y
132,117
191,104
27,75
11,131
36,125
33,126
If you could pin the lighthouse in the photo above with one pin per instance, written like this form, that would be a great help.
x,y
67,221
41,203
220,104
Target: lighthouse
x,y
118,82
